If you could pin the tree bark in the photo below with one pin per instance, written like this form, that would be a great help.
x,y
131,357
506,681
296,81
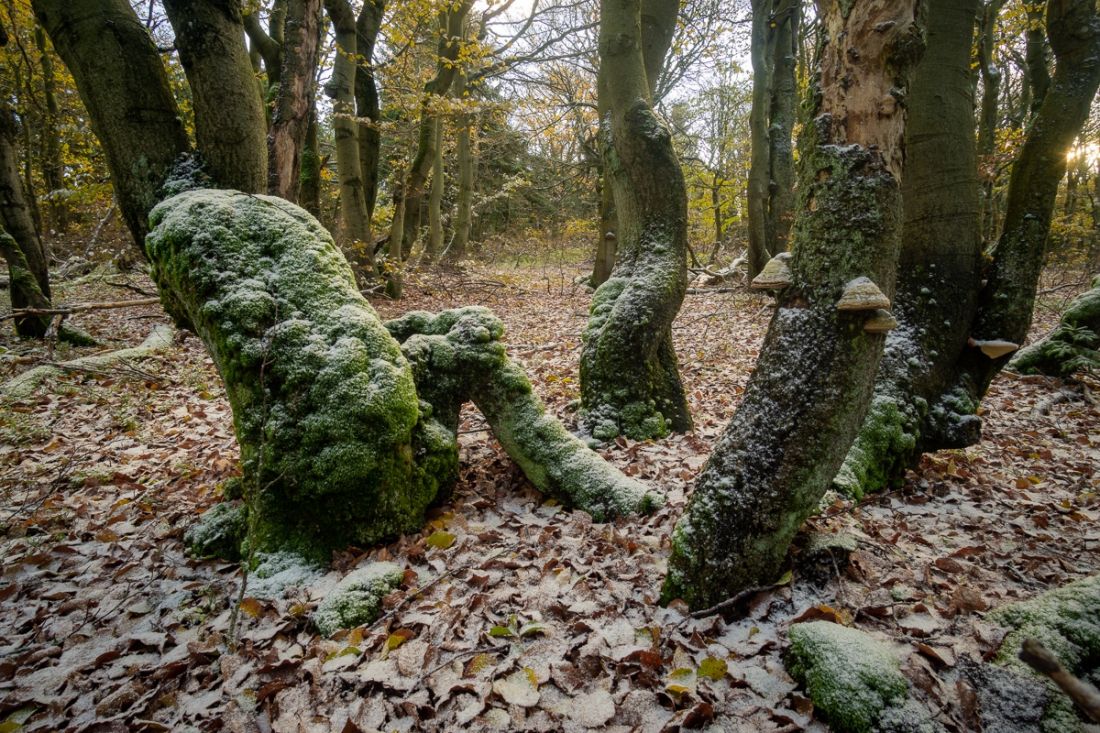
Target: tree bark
x,y
435,198
1035,53
630,381
53,168
353,203
810,389
23,287
932,403
230,124
467,175
16,218
121,80
771,122
296,96
309,190
987,122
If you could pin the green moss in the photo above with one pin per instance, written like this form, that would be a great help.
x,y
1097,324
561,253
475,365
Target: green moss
x,y
218,532
886,439
851,678
324,403
1067,622
357,599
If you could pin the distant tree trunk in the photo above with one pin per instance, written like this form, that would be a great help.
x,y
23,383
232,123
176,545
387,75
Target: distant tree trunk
x,y
341,88
435,198
955,359
121,80
630,381
53,168
813,380
309,191
1038,76
467,175
410,187
987,122
771,122
295,99
232,137
367,105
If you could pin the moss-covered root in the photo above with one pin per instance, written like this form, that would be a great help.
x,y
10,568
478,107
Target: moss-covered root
x,y
334,448
357,599
882,450
851,678
457,355
1073,346
218,532
1067,622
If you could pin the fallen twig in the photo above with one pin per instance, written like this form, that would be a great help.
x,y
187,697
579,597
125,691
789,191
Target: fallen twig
x,y
1043,661
78,308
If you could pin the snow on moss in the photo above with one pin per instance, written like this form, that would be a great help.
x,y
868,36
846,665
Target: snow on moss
x,y
357,599
457,355
851,678
276,572
218,532
324,403
1067,622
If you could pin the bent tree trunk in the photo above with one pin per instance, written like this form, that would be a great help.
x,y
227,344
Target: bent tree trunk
x,y
630,381
343,441
809,391
122,83
931,401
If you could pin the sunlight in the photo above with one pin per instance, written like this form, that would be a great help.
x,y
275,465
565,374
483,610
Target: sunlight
x,y
1090,152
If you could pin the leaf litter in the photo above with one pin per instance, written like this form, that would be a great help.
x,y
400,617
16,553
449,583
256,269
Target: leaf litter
x,y
516,613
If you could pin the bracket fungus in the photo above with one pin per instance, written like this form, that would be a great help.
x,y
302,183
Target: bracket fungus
x,y
880,321
994,348
862,295
776,274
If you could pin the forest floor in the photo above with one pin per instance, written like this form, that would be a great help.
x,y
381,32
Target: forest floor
x,y
518,613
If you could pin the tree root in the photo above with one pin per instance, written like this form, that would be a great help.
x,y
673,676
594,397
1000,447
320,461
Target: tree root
x,y
24,385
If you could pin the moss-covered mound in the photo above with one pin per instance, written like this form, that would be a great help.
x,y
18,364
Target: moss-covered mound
x,y
1067,622
851,678
334,447
357,600
1073,346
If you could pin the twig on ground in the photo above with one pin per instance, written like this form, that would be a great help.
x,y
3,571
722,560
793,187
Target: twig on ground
x,y
1043,661
78,308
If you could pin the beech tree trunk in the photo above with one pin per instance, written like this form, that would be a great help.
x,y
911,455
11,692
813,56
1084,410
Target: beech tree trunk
x,y
630,381
435,198
771,122
295,98
367,104
53,168
931,402
812,383
466,155
355,221
121,80
232,137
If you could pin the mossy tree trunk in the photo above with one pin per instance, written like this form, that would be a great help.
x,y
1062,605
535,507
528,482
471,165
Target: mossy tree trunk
x,y
232,137
813,381
53,167
630,381
770,194
410,186
1073,346
122,83
27,260
932,401
355,223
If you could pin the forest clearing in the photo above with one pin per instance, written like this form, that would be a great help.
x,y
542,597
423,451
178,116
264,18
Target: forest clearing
x,y
550,365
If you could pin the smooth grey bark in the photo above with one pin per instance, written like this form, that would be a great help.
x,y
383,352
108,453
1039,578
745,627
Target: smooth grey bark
x,y
367,104
53,168
121,80
434,244
230,124
808,394
988,118
466,155
630,380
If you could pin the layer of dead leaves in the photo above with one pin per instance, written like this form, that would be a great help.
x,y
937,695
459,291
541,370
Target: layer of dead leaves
x,y
517,614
